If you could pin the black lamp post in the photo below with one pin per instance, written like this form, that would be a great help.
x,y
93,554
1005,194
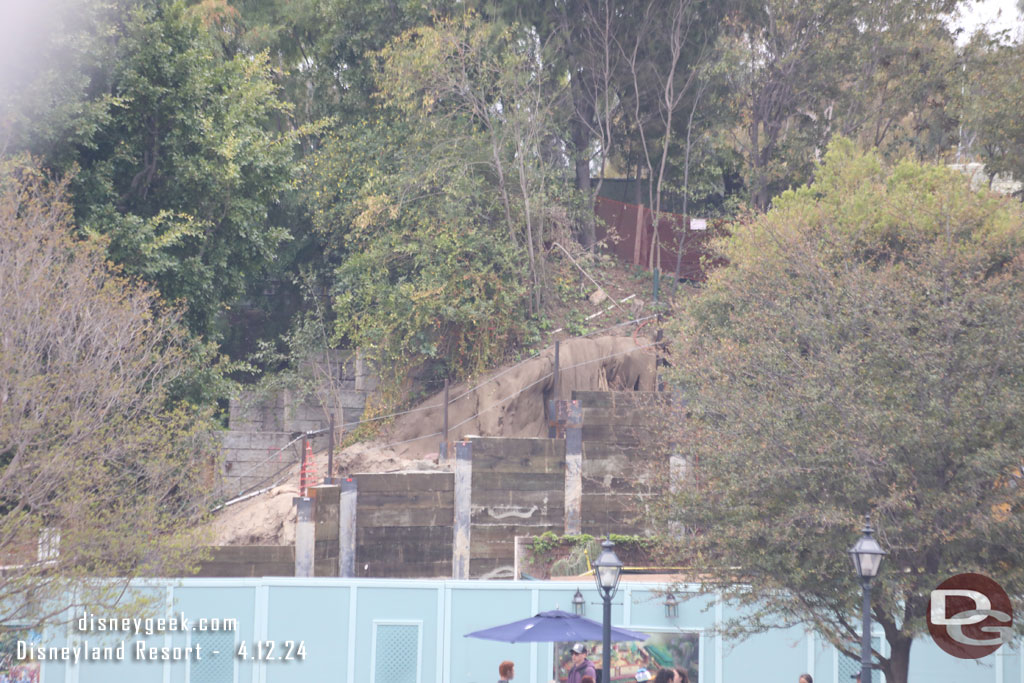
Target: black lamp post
x,y
867,560
607,570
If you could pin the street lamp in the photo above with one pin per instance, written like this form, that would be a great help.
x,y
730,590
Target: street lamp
x,y
867,560
607,570
671,605
578,606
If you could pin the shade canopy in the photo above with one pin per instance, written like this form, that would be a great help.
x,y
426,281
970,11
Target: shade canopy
x,y
554,626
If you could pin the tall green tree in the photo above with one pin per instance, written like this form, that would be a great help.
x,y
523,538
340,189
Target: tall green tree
x,y
439,205
804,71
173,157
863,352
994,97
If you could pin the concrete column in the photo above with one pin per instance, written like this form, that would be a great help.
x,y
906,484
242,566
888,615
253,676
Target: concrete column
x,y
463,508
573,467
305,536
286,407
347,535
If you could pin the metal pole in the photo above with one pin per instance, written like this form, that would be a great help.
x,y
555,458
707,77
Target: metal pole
x,y
657,355
865,637
304,468
444,429
606,633
553,403
348,503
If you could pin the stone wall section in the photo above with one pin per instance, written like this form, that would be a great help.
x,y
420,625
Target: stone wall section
x,y
404,524
617,434
518,489
260,426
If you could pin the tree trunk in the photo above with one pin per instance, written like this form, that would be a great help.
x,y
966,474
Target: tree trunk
x,y
897,665
581,142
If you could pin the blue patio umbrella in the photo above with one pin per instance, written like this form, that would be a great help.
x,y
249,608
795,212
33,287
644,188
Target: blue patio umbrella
x,y
554,626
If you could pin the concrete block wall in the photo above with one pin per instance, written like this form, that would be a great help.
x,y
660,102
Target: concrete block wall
x,y
251,459
405,521
617,434
260,425
404,524
518,489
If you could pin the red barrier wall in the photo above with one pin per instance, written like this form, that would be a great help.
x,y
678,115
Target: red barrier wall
x,y
619,225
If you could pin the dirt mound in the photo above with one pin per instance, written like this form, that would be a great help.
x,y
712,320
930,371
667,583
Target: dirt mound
x,y
508,402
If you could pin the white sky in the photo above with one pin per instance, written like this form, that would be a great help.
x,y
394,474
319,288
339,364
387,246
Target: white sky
x,y
995,15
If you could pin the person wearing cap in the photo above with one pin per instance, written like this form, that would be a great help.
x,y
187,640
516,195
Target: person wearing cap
x,y
581,666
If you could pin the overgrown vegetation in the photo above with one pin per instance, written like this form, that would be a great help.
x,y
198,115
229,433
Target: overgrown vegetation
x,y
863,353
103,470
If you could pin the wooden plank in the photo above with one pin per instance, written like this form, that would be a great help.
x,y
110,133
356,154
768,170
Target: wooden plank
x,y
409,499
501,496
414,517
515,481
252,553
518,455
497,516
425,570
405,481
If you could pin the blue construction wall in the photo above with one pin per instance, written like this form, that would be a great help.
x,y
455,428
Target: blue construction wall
x,y
411,631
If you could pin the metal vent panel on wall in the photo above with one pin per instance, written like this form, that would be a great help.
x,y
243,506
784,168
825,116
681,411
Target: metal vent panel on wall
x,y
397,649
213,668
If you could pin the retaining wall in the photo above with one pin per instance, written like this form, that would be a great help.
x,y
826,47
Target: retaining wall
x,y
404,524
260,425
464,524
518,488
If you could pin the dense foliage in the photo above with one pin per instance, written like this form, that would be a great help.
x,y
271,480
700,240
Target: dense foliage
x,y
185,123
98,462
863,353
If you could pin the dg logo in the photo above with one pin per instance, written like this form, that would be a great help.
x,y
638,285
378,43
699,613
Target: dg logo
x,y
970,616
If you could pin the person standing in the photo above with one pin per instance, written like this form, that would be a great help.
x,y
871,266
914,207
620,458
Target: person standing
x,y
506,671
581,666
805,678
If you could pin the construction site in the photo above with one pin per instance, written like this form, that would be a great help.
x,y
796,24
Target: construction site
x,y
567,441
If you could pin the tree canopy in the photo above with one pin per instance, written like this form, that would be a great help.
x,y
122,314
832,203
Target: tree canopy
x,y
100,468
863,352
170,147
